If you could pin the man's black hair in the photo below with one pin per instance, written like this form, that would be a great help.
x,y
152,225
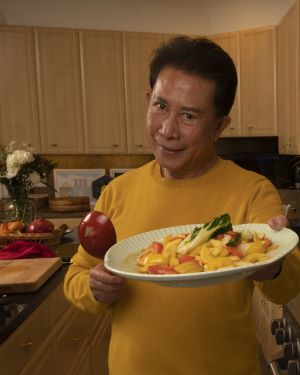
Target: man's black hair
x,y
202,57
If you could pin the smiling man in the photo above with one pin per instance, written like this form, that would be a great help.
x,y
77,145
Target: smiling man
x,y
174,331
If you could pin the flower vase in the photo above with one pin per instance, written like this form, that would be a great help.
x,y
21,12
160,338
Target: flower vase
x,y
19,207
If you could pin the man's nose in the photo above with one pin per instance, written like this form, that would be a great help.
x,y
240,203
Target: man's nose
x,y
169,126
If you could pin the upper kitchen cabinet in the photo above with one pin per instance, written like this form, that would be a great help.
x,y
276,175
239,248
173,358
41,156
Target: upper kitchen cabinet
x,y
230,43
258,75
18,93
103,91
288,82
59,88
138,48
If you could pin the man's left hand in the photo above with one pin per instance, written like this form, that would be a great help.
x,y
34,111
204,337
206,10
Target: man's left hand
x,y
271,271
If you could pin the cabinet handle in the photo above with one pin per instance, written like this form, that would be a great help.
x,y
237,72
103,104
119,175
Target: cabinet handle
x,y
26,345
114,145
139,145
76,339
53,144
263,302
249,127
231,127
263,326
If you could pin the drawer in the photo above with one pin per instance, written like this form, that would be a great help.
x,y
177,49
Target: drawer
x,y
59,304
71,338
43,362
25,341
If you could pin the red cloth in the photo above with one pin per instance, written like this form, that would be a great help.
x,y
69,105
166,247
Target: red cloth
x,y
25,249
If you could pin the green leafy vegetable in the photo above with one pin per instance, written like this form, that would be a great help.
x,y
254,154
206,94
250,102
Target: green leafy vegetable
x,y
218,225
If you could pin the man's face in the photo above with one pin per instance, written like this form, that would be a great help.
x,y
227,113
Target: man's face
x,y
182,124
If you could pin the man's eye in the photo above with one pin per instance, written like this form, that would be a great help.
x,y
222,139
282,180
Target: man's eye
x,y
188,116
160,106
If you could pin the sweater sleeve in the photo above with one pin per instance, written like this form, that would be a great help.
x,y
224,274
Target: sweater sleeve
x,y
266,203
76,283
287,284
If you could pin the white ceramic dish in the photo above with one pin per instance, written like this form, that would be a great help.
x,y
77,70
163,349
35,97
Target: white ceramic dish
x,y
121,258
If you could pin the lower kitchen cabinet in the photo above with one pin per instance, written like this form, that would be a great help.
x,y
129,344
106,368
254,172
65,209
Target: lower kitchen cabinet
x,y
43,360
264,312
58,339
100,345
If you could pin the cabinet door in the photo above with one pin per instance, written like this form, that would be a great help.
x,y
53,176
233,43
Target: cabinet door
x,y
103,91
71,338
258,82
138,48
18,94
230,43
288,87
43,362
24,343
100,345
60,101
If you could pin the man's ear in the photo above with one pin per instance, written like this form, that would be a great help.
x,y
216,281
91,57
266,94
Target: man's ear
x,y
221,125
148,95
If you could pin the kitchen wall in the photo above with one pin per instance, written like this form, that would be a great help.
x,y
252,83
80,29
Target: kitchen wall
x,y
169,16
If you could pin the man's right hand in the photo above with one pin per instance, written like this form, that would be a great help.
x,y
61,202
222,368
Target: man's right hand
x,y
106,287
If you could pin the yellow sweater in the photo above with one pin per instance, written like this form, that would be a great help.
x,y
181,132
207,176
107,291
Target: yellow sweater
x,y
209,330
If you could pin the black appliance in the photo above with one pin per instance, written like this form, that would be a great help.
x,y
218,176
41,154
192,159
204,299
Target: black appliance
x,y
286,332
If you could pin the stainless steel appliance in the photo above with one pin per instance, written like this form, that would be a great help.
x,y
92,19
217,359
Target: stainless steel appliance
x,y
286,332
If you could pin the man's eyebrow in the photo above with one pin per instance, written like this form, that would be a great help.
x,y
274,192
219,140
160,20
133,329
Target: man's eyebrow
x,y
192,109
159,98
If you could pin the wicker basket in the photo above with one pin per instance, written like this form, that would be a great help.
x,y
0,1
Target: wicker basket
x,y
48,239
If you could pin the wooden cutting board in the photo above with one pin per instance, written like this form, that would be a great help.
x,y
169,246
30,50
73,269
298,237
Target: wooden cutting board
x,y
26,275
69,204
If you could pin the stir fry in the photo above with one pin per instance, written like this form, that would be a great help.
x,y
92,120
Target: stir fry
x,y
213,246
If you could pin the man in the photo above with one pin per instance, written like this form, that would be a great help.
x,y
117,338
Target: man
x,y
195,331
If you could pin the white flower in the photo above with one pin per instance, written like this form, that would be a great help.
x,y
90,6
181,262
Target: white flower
x,y
15,160
34,178
12,172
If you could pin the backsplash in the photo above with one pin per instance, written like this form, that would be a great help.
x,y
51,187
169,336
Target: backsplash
x,y
259,154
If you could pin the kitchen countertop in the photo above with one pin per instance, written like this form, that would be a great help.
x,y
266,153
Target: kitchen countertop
x,y
65,249
31,302
45,212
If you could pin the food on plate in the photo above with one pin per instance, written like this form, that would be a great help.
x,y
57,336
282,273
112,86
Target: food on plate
x,y
96,233
213,246
40,226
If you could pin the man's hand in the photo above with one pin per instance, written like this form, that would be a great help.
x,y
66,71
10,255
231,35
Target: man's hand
x,y
269,272
106,287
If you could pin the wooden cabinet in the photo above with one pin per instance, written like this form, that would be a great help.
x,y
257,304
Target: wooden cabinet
x,y
18,93
100,345
71,339
59,88
43,360
264,312
103,91
21,346
230,43
58,339
254,112
288,82
138,48
258,82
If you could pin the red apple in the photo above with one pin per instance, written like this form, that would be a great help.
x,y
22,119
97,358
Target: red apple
x,y
96,233
40,226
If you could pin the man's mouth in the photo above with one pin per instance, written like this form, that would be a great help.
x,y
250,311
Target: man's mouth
x,y
169,149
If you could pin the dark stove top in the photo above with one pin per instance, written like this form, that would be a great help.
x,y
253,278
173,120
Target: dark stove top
x,y
10,309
